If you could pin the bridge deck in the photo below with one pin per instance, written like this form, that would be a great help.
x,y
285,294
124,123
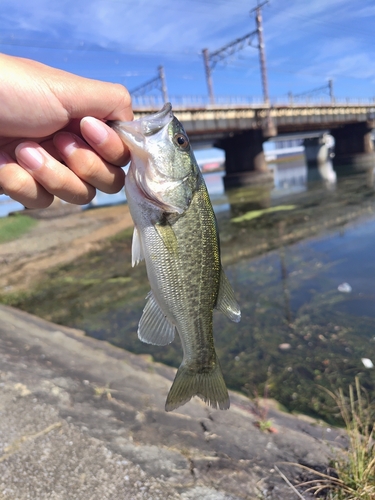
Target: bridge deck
x,y
218,120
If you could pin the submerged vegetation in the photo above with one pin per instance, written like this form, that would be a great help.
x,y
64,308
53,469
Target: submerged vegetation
x,y
298,331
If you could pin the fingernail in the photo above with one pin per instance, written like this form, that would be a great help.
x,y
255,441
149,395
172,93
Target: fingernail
x,y
94,130
65,143
29,157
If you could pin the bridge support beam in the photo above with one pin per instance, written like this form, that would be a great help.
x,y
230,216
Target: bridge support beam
x,y
354,147
245,163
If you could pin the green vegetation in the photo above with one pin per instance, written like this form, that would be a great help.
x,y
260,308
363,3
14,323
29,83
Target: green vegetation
x,y
15,226
353,475
253,214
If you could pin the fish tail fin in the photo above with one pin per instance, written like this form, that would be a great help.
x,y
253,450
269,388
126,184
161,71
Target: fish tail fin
x,y
209,385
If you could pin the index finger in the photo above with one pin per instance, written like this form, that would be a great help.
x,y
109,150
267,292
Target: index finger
x,y
105,141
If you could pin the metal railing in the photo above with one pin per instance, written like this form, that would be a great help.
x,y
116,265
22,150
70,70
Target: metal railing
x,y
202,101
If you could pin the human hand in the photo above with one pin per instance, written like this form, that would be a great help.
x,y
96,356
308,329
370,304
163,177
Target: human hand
x,y
48,117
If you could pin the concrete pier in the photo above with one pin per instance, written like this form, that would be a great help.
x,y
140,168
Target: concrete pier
x,y
354,147
317,150
245,162
318,156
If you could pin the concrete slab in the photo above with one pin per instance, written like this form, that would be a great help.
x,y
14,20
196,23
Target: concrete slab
x,y
82,419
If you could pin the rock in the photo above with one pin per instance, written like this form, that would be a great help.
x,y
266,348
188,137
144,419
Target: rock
x,y
367,363
285,346
63,437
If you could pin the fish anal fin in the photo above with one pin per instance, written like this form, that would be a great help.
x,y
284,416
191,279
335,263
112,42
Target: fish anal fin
x,y
154,327
137,252
208,385
226,302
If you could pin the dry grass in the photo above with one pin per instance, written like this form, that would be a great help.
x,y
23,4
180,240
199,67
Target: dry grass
x,y
353,469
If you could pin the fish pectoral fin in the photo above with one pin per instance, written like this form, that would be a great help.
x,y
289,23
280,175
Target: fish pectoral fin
x,y
208,385
226,303
154,327
166,233
137,252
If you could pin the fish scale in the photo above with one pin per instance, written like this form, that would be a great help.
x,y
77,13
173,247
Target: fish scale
x,y
176,234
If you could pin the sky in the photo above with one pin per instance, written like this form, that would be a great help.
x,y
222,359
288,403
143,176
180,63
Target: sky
x,y
307,42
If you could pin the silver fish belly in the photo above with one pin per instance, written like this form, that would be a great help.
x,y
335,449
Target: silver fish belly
x,y
176,234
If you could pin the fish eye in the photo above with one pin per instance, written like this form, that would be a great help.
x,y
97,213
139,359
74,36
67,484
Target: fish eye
x,y
181,140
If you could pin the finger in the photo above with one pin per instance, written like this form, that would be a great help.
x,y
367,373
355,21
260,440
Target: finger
x,y
109,101
45,142
56,178
21,186
105,141
87,165
49,146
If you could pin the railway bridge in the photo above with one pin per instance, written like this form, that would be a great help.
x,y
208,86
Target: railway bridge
x,y
241,129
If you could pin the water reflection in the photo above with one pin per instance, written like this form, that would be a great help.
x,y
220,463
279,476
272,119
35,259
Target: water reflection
x,y
323,171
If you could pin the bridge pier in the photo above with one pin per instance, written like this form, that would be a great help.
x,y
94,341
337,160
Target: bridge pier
x,y
245,163
318,156
354,147
317,150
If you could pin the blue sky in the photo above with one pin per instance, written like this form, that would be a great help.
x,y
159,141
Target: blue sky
x,y
307,42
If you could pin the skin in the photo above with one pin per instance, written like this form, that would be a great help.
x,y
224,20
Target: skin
x,y
53,139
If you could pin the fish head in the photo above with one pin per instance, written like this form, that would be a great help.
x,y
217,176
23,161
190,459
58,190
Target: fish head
x,y
163,163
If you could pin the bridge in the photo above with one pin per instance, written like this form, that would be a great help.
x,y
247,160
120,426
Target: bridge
x,y
241,128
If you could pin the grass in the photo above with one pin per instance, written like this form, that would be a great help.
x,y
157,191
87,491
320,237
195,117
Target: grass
x,y
15,226
353,475
260,409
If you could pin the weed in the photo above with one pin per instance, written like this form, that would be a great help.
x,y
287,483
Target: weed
x,y
353,475
260,410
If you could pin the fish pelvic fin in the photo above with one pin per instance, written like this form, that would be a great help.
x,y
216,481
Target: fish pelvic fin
x,y
208,385
137,252
154,327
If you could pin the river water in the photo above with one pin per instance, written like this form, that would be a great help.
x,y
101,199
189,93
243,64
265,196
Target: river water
x,y
300,258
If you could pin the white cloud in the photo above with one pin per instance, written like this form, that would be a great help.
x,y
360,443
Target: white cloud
x,y
368,11
339,58
311,40
133,25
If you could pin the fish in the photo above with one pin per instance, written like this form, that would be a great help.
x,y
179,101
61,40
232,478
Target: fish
x,y
176,234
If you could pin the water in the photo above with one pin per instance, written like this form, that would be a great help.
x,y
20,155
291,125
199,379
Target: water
x,y
298,332
7,205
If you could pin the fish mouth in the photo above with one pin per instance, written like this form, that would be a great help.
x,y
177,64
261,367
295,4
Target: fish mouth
x,y
135,131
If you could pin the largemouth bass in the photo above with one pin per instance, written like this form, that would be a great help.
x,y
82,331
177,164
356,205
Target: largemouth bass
x,y
176,234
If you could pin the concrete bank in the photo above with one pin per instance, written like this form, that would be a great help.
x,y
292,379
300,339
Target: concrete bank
x,y
81,419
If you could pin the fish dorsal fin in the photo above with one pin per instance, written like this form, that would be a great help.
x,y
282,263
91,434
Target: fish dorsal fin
x,y
154,327
137,252
226,303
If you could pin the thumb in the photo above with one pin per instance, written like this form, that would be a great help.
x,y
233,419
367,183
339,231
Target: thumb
x,y
85,97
